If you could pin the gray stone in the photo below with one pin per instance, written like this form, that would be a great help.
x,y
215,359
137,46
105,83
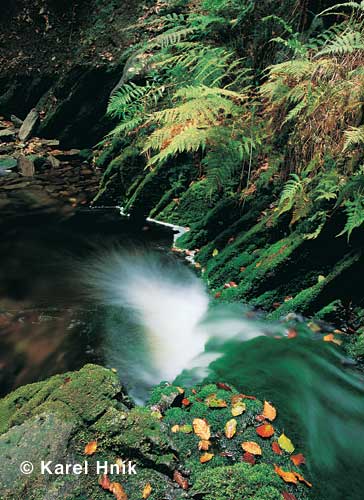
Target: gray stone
x,y
53,161
7,135
17,122
50,142
26,166
44,437
28,126
66,155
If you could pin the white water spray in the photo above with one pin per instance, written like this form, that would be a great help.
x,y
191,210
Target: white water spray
x,y
160,320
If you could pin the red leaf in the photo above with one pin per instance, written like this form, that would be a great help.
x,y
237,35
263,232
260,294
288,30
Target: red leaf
x,y
223,386
249,458
288,496
104,482
298,459
265,430
186,402
276,448
180,480
291,333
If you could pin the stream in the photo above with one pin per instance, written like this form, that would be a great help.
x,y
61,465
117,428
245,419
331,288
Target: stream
x,y
92,287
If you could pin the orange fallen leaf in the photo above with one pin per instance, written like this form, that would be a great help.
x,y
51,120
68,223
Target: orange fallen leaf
x,y
201,428
269,412
303,480
180,480
260,418
265,430
118,491
276,448
147,491
204,445
175,428
206,457
90,448
287,476
230,428
292,333
186,402
251,447
249,458
298,459
330,338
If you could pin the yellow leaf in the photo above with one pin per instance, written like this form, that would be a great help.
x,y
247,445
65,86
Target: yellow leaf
x,y
285,443
215,252
230,428
201,428
147,491
269,412
175,428
251,447
118,491
206,457
330,338
204,445
238,408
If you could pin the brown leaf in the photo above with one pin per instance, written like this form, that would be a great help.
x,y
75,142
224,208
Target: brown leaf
x,y
180,480
206,457
276,448
147,491
104,482
118,491
249,458
288,496
269,412
298,459
223,386
230,428
204,445
90,448
239,397
201,428
303,480
251,447
260,418
213,401
265,430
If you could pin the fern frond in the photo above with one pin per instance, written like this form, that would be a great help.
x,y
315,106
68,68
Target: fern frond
x,y
345,43
354,137
355,215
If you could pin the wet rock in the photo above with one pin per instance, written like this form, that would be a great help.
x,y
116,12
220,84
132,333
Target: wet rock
x,y
55,163
7,135
50,142
17,122
26,166
72,154
29,125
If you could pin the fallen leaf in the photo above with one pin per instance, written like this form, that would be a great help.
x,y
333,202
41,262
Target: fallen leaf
x,y
285,443
215,252
218,295
213,401
147,490
238,409
292,333
223,386
269,412
288,496
330,338
180,390
180,480
175,428
287,476
157,414
90,448
118,491
201,428
303,480
186,402
298,459
239,397
249,458
230,428
186,428
104,482
265,430
233,284
251,447
204,445
206,457
276,448
260,418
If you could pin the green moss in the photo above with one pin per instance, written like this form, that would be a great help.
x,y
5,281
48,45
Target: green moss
x,y
238,481
358,347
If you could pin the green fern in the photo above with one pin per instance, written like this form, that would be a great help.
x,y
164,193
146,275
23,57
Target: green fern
x,y
354,210
354,137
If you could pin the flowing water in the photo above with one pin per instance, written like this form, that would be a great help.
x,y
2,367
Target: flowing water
x,y
95,289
